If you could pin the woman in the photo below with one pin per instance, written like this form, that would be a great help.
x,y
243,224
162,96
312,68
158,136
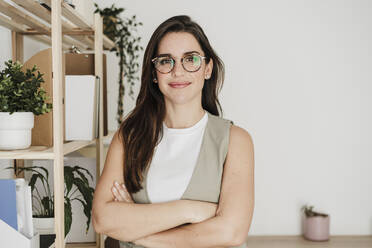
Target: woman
x,y
176,174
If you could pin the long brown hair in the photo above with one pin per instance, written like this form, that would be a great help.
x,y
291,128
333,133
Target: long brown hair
x,y
142,129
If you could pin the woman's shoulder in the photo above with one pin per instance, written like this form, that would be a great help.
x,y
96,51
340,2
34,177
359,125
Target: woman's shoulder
x,y
240,139
237,133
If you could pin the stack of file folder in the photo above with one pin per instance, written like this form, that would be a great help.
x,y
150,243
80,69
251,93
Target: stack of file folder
x,y
16,228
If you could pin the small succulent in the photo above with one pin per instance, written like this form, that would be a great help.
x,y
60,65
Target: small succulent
x,y
308,211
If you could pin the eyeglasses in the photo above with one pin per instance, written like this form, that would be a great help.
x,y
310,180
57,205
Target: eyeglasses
x,y
190,62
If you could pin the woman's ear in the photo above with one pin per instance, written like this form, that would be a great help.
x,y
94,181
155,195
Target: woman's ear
x,y
154,77
209,69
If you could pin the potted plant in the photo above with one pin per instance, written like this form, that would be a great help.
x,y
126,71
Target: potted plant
x,y
120,30
315,224
43,202
21,97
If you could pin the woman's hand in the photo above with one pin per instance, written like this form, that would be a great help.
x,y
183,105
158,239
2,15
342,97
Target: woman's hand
x,y
120,193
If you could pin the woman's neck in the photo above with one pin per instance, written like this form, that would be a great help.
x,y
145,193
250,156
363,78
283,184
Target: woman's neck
x,y
183,117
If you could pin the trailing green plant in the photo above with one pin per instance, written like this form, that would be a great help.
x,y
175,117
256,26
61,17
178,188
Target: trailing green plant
x,y
43,202
20,90
121,31
308,211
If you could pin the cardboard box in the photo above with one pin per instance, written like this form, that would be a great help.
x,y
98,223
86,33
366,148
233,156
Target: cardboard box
x,y
42,133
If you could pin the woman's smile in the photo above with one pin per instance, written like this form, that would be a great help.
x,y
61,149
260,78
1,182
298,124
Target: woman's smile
x,y
179,84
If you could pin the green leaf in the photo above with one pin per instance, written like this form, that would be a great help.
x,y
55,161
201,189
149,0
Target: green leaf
x,y
80,181
69,178
45,201
22,89
79,170
68,216
32,182
119,29
87,193
86,212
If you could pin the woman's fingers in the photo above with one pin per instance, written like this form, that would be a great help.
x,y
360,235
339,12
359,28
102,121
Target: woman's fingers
x,y
120,192
128,197
117,195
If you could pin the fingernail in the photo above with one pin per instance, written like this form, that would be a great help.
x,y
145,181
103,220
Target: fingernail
x,y
116,183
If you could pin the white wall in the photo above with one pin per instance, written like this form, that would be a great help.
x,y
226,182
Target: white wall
x,y
298,78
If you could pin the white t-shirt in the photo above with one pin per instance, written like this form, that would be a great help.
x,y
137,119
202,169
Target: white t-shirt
x,y
174,161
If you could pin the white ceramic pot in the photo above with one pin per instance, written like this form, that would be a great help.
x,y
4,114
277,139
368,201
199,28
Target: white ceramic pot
x,y
44,224
15,130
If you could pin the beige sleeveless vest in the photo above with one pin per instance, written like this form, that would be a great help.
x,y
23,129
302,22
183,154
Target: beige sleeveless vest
x,y
205,182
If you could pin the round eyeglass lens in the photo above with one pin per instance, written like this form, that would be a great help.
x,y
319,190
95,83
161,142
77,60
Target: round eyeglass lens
x,y
164,64
192,62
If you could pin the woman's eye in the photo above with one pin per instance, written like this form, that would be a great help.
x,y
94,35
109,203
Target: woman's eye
x,y
165,61
192,58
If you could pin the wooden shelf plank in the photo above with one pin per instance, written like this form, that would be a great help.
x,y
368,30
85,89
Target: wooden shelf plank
x,y
35,8
10,24
43,152
20,28
76,145
34,152
68,41
44,14
78,33
22,17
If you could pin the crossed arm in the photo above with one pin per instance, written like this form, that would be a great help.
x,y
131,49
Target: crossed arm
x,y
162,224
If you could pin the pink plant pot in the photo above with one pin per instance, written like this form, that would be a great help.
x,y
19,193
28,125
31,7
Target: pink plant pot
x,y
316,228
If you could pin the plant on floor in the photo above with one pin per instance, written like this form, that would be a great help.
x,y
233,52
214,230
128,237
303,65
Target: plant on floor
x,y
20,90
308,211
120,30
43,202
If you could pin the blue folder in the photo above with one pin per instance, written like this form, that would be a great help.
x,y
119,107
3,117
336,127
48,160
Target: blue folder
x,y
8,203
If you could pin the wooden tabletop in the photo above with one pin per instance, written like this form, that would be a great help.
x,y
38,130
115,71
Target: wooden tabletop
x,y
364,241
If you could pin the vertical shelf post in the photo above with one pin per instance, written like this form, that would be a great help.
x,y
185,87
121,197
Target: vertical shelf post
x,y
57,124
17,55
17,46
98,64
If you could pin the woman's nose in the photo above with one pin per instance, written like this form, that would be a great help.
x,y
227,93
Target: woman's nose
x,y
178,69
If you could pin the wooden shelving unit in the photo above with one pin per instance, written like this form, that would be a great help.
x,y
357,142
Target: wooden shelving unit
x,y
61,27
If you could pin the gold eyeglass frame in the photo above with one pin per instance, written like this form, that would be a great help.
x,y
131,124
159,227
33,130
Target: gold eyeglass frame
x,y
174,62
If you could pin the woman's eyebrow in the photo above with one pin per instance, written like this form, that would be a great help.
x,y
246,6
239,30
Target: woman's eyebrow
x,y
168,54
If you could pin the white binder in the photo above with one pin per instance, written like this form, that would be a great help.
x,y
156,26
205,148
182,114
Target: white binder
x,y
81,111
